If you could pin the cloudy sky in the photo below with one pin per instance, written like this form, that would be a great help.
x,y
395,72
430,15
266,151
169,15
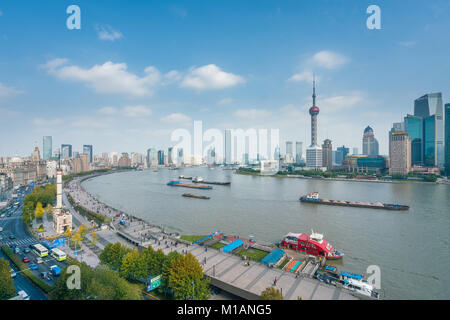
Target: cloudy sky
x,y
138,70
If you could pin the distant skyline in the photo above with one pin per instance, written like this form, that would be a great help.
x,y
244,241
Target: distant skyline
x,y
138,70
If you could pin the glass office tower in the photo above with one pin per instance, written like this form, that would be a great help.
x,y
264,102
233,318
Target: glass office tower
x,y
447,139
47,147
87,149
66,151
430,150
414,128
425,107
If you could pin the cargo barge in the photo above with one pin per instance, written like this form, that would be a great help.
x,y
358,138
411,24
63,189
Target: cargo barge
x,y
190,195
313,197
179,184
200,180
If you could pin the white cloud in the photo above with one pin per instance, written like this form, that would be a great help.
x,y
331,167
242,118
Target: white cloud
x,y
407,43
339,103
107,78
252,113
176,118
106,32
8,91
172,76
329,59
108,111
305,76
136,111
226,101
44,122
210,77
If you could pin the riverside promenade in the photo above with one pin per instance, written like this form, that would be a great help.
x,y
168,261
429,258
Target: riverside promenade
x,y
225,270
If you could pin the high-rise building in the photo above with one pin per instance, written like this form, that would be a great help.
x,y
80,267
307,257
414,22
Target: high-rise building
x,y
399,153
289,154
152,158
46,147
327,154
277,153
447,139
344,151
355,151
429,107
414,129
66,151
227,146
180,157
161,157
370,144
314,152
298,151
87,149
170,156
124,160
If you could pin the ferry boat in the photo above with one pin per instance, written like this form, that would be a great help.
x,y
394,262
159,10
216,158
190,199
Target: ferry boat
x,y
313,244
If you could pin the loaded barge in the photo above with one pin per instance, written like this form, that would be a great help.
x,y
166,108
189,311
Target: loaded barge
x,y
190,195
200,179
313,197
179,184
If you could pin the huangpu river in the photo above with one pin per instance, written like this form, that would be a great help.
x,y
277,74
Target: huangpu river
x,y
411,248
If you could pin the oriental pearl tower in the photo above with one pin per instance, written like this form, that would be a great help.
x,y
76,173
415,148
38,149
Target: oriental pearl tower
x,y
314,152
314,111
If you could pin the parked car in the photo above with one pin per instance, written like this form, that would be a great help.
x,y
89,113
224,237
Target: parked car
x,y
26,260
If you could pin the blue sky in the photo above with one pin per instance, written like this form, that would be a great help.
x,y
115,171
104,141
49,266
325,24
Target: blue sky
x,y
139,69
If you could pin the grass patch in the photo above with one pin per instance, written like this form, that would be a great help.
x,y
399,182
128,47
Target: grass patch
x,y
25,270
217,245
253,254
192,238
285,261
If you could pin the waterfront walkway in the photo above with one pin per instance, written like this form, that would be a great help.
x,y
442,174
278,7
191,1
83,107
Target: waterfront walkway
x,y
250,281
225,270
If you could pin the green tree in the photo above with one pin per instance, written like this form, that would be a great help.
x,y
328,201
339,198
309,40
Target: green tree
x,y
133,266
186,278
49,210
96,284
7,288
39,211
271,293
113,254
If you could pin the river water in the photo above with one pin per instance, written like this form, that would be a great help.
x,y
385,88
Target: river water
x,y
411,248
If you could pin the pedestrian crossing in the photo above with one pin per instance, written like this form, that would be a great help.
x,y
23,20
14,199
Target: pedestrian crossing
x,y
20,242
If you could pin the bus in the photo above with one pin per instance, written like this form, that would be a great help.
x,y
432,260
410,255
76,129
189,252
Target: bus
x,y
58,254
40,250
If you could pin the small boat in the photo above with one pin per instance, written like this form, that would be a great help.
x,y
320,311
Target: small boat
x,y
197,179
361,287
190,195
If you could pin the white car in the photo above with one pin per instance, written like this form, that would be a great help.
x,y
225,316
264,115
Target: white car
x,y
13,273
24,295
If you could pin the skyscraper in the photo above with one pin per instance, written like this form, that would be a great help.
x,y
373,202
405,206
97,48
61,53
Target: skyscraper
x,y
447,139
161,157
429,107
289,156
298,151
370,144
327,154
399,153
227,146
46,147
87,149
414,128
152,158
355,151
314,152
66,151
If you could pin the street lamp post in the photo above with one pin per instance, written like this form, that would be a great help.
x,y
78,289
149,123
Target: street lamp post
x,y
193,283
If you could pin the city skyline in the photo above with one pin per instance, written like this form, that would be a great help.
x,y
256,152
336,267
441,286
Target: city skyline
x,y
68,87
